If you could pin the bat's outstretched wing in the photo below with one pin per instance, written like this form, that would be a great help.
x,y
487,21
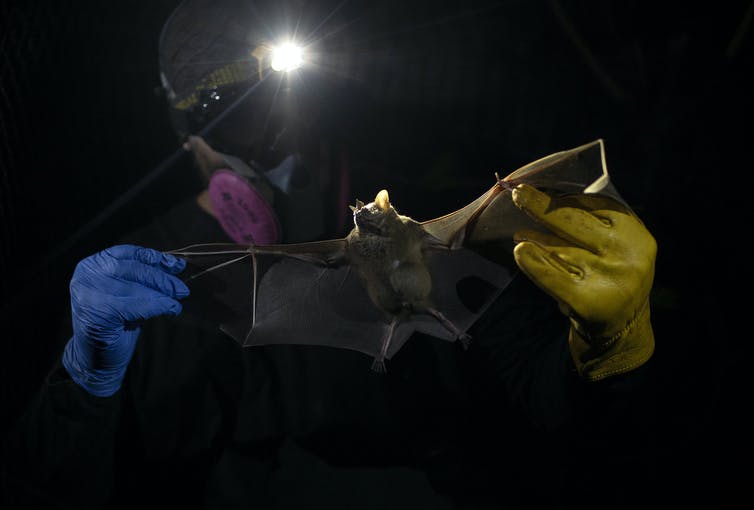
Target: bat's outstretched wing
x,y
307,294
494,218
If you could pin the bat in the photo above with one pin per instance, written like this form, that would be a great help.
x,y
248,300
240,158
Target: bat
x,y
390,276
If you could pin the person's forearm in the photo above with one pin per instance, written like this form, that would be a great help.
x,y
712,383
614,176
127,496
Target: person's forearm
x,y
60,450
522,345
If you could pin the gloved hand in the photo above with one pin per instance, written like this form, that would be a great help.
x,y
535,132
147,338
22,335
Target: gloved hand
x,y
598,264
111,293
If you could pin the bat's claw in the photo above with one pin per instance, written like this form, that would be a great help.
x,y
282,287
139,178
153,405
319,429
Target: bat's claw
x,y
465,340
501,183
378,365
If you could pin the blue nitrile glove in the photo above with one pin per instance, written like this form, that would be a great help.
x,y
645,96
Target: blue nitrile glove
x,y
111,293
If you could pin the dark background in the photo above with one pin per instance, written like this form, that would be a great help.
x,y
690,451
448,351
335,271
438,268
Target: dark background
x,y
667,85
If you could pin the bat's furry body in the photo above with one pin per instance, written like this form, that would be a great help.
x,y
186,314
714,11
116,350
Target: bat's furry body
x,y
388,251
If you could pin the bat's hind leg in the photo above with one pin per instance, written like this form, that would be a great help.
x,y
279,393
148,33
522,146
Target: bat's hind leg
x,y
462,336
378,365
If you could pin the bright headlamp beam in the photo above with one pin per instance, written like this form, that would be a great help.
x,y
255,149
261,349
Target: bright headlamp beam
x,y
287,57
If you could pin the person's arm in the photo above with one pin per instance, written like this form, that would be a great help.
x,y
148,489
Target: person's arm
x,y
61,450
521,346
569,340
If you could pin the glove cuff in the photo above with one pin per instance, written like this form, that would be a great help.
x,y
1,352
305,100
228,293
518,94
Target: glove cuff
x,y
629,348
100,383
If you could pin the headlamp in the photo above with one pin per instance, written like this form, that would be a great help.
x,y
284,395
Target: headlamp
x,y
286,57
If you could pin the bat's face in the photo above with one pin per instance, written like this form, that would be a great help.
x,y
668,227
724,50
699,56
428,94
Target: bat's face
x,y
374,216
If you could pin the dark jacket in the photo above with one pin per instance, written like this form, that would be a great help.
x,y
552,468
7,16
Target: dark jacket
x,y
202,423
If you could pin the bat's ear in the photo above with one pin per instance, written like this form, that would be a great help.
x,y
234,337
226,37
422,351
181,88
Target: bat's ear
x,y
382,200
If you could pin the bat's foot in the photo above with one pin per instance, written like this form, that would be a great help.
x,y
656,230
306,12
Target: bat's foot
x,y
378,365
465,340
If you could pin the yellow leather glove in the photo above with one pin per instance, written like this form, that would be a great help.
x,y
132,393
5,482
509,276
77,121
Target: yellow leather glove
x,y
598,264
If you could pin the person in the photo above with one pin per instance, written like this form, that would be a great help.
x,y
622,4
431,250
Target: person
x,y
151,404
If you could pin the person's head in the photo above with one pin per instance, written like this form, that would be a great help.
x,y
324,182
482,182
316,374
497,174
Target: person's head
x,y
267,127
